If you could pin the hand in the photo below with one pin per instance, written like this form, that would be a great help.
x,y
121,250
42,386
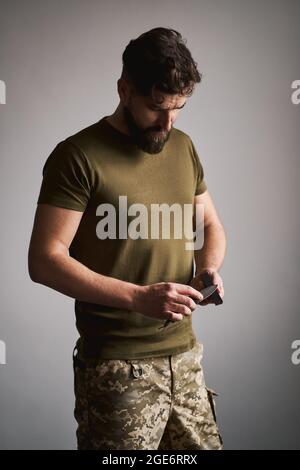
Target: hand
x,y
166,300
198,284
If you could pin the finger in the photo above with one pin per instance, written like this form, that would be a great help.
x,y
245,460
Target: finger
x,y
215,277
222,287
220,291
173,316
217,280
185,300
189,290
180,308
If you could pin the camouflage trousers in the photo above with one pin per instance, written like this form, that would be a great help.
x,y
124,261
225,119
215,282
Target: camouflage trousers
x,y
156,403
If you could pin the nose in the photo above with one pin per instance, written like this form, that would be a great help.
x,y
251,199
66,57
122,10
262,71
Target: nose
x,y
165,122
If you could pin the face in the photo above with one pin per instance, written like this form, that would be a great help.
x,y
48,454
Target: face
x,y
150,119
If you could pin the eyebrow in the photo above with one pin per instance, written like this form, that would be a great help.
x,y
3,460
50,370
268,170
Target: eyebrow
x,y
166,109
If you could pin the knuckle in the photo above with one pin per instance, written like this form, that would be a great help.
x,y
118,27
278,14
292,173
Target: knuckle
x,y
169,286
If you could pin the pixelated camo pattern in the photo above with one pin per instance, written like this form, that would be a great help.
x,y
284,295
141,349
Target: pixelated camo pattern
x,y
157,403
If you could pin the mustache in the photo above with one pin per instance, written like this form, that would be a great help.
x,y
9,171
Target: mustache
x,y
152,129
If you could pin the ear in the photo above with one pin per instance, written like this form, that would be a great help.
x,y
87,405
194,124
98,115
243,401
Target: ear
x,y
123,91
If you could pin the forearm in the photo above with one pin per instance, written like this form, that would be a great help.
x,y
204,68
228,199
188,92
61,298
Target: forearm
x,y
70,277
212,253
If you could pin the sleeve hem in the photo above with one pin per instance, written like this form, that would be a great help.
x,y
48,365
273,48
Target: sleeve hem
x,y
201,189
63,204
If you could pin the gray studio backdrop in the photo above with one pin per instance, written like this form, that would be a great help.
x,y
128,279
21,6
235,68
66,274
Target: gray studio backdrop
x,y
60,62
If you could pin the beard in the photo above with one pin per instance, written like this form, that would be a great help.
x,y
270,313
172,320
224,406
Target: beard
x,y
150,140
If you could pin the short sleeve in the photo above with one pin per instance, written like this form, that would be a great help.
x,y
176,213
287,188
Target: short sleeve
x,y
201,186
66,178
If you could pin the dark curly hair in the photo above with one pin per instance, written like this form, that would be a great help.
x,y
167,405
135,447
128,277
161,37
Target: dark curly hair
x,y
159,59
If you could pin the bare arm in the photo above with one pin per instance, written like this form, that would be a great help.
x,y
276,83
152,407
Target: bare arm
x,y
212,254
49,262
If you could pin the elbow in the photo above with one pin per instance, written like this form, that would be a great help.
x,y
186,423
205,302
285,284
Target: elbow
x,y
35,269
33,272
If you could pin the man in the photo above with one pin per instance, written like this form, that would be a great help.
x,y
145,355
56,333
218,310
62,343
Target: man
x,y
138,382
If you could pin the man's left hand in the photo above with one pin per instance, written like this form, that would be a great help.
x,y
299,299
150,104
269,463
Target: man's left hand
x,y
197,283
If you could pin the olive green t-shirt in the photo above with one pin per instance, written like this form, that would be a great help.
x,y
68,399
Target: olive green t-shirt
x,y
96,166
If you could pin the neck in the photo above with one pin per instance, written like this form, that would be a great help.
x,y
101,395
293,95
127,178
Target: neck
x,y
117,120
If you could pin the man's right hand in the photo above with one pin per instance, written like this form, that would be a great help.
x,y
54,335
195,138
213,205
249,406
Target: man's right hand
x,y
166,300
